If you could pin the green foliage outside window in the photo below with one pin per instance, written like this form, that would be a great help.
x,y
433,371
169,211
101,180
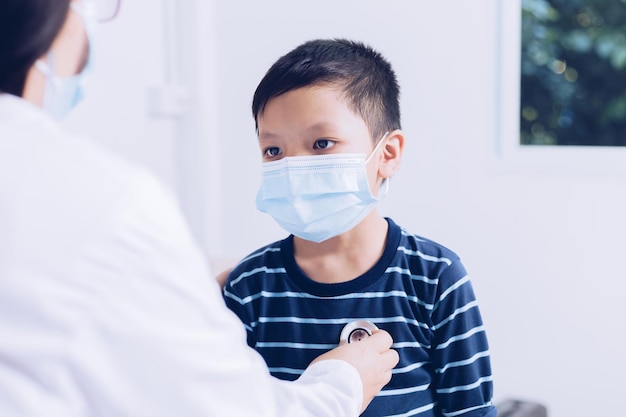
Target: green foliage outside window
x,y
573,72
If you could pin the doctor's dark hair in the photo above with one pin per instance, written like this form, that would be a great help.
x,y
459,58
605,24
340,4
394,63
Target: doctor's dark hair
x,y
27,30
365,77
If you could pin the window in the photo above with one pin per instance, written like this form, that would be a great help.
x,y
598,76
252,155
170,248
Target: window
x,y
594,152
573,72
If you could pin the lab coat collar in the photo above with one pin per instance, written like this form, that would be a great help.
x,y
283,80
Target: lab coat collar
x,y
18,110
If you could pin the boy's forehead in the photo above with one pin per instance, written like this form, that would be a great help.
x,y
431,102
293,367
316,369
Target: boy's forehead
x,y
312,100
315,110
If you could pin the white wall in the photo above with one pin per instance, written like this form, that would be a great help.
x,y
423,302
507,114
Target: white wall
x,y
543,240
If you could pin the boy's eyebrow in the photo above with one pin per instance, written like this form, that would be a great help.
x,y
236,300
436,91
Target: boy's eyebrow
x,y
317,127
267,136
323,127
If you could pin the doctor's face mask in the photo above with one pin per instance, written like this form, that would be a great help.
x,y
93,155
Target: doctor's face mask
x,y
62,94
318,197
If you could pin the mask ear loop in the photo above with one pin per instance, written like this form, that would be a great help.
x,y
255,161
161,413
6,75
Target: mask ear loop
x,y
46,68
385,180
42,67
377,147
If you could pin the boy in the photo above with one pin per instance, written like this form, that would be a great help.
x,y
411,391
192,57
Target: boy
x,y
328,123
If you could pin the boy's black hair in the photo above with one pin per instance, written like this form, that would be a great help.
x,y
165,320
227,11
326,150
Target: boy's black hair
x,y
366,78
27,29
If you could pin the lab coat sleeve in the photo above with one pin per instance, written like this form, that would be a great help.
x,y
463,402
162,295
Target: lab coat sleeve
x,y
151,335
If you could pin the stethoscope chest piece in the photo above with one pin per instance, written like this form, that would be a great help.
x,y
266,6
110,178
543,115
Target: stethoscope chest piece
x,y
356,330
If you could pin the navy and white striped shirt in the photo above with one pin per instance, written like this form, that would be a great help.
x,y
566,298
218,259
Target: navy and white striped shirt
x,y
418,291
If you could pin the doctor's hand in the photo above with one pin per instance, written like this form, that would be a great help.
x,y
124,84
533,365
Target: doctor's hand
x,y
372,357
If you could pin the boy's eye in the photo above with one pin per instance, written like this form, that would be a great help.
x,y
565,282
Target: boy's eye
x,y
271,152
324,144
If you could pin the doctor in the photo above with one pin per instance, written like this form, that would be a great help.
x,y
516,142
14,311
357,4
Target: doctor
x,y
106,304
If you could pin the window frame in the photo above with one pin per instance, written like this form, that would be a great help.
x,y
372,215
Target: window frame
x,y
510,155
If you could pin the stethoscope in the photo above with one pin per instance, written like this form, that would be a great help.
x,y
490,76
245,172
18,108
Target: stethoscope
x,y
356,331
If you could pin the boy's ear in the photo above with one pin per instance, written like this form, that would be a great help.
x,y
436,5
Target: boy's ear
x,y
391,155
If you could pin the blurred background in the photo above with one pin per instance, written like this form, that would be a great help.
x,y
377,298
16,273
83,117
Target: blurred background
x,y
573,72
541,229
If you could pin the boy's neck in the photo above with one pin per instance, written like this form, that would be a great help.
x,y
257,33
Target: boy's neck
x,y
346,256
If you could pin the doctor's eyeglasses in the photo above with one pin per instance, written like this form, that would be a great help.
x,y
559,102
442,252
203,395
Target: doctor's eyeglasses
x,y
107,10
102,10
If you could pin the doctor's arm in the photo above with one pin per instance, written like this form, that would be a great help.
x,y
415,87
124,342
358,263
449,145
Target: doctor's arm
x,y
159,341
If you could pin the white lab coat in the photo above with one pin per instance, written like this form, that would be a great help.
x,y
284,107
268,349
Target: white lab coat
x,y
106,305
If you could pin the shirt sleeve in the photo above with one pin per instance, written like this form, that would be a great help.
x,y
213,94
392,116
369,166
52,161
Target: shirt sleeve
x,y
460,350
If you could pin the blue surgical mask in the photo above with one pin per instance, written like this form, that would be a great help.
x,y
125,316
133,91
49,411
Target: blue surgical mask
x,y
62,94
317,197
